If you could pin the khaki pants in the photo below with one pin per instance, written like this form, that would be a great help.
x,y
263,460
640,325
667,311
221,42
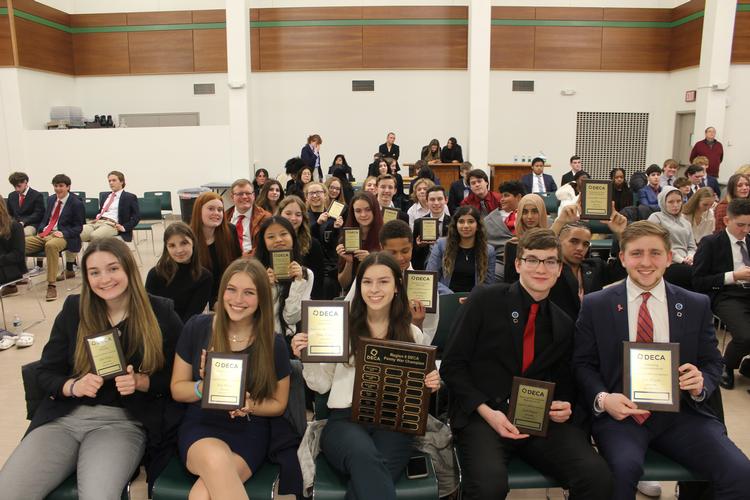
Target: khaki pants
x,y
52,247
29,230
98,230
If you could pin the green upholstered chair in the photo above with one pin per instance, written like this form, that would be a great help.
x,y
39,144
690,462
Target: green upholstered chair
x,y
164,197
150,212
91,205
551,203
448,306
80,194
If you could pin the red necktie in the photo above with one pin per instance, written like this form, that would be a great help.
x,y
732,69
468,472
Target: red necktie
x,y
511,222
528,338
53,220
21,198
106,205
644,333
241,232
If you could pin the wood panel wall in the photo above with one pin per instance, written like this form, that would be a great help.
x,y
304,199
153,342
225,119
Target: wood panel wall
x,y
39,46
741,45
6,40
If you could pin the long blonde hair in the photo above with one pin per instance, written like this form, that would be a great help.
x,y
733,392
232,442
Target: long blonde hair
x,y
142,329
261,379
303,233
690,209
324,199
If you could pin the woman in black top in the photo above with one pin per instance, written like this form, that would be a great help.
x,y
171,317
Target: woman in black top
x,y
12,261
451,152
261,177
325,229
178,275
85,424
621,194
270,196
339,161
294,210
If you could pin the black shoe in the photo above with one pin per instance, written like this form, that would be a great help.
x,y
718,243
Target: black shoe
x,y
727,379
745,367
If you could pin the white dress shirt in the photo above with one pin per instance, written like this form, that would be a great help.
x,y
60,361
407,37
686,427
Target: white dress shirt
x,y
657,308
111,212
538,185
736,259
247,237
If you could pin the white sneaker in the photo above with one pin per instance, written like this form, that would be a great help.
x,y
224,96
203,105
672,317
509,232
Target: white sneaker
x,y
650,488
36,271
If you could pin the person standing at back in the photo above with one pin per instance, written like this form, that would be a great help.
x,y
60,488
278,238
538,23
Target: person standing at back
x,y
389,149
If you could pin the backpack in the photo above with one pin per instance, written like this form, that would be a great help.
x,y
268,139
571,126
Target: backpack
x,y
638,181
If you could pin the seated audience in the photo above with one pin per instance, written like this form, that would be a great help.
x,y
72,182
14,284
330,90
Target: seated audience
x,y
463,259
346,186
59,230
387,193
371,185
389,149
683,184
513,330
119,213
722,271
310,154
339,162
261,177
245,215
537,181
100,429
225,448
621,193
532,213
334,191
648,195
277,233
25,204
325,229
424,171
364,213
640,310
12,261
371,458
708,180
575,166
460,189
682,242
481,198
178,274
311,253
394,169
419,197
215,238
699,212
696,174
304,176
669,173
431,152
451,152
437,210
738,186
500,224
270,196
316,196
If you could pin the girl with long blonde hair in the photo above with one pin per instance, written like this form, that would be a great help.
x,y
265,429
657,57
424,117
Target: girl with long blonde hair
x,y
532,213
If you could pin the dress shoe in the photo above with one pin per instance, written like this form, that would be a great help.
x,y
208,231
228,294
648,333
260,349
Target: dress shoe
x,y
9,290
727,379
51,293
650,488
66,275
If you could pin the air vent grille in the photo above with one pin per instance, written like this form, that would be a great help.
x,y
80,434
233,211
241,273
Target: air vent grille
x,y
608,140
363,85
523,85
204,88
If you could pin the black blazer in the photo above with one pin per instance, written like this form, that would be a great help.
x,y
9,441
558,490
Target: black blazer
x,y
71,220
596,275
450,155
395,151
420,255
128,213
12,254
456,195
486,351
32,212
567,177
309,158
155,409
712,259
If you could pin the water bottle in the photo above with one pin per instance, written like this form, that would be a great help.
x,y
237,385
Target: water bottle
x,y
17,327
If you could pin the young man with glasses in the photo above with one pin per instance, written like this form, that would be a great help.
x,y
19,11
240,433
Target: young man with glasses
x,y
245,215
513,330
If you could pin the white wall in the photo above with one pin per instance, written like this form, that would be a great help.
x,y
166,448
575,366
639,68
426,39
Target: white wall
x,y
39,92
735,137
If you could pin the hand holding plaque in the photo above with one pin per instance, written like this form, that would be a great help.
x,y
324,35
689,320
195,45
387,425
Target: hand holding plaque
x,y
326,323
352,239
336,209
422,286
429,230
105,354
530,401
224,385
596,200
280,261
389,214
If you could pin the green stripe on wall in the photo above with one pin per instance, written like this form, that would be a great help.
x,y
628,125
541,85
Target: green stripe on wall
x,y
598,24
360,22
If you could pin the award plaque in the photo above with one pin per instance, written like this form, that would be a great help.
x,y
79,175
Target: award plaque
x,y
389,214
336,209
105,354
326,323
389,390
651,375
352,239
422,286
280,261
530,401
596,200
429,230
224,384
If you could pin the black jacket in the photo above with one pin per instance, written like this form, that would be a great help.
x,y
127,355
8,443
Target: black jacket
x,y
32,211
449,155
456,195
711,261
70,223
12,254
596,274
420,255
486,351
128,213
395,151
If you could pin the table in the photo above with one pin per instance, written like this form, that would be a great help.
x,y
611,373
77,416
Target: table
x,y
447,173
502,172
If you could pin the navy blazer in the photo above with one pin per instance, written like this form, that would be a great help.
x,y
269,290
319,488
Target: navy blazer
x,y
71,220
602,327
549,183
128,213
32,211
309,158
647,196
712,259
394,153
456,195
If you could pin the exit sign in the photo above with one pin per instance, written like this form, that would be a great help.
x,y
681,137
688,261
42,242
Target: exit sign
x,y
690,96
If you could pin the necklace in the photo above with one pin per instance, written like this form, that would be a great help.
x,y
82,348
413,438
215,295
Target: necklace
x,y
238,338
465,252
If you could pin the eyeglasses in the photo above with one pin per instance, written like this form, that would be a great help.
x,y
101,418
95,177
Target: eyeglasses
x,y
334,188
315,193
532,263
243,193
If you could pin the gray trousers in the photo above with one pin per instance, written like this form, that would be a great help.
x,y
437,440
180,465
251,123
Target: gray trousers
x,y
102,444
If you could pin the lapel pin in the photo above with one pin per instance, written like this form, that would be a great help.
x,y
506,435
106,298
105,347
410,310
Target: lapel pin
x,y
679,314
514,315
678,306
620,308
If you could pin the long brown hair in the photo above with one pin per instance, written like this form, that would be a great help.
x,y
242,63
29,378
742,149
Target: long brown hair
x,y
261,379
303,233
732,183
262,201
690,209
5,220
143,332
227,247
341,198
371,243
166,267
454,238
399,317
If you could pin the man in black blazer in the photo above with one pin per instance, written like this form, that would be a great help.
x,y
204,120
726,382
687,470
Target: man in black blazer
x,y
436,204
645,309
575,167
537,181
386,187
493,341
25,205
459,189
59,230
721,269
389,149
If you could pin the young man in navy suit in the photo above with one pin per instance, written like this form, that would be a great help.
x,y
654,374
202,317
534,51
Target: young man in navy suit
x,y
721,269
25,204
646,309
537,181
508,330
59,230
118,215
